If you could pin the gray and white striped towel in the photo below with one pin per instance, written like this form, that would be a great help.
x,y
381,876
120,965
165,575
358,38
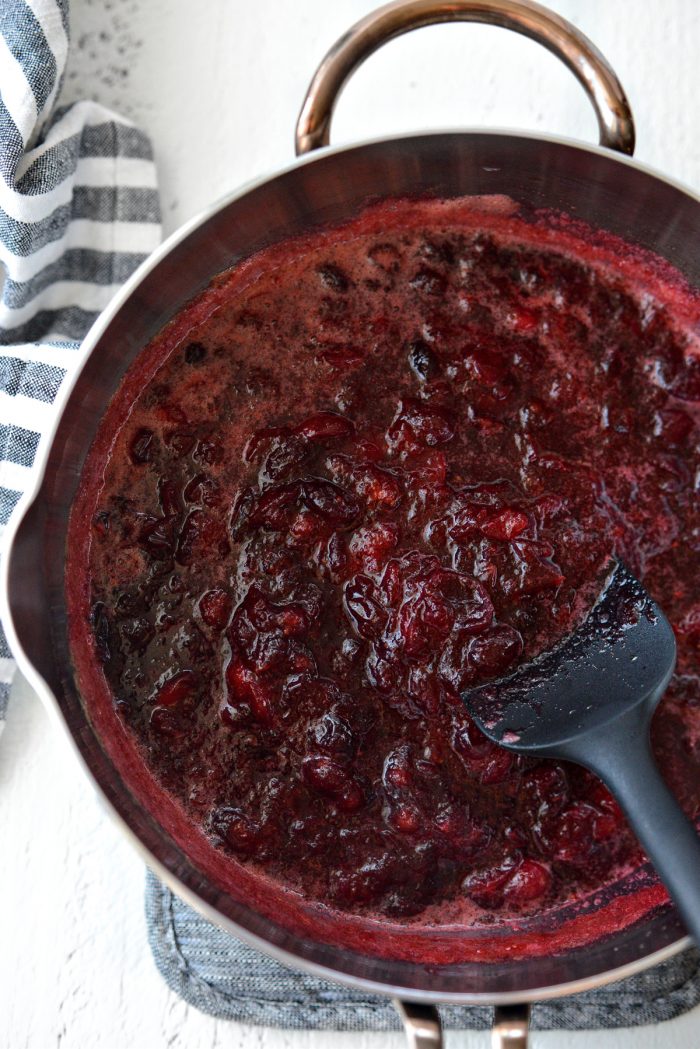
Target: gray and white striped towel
x,y
78,212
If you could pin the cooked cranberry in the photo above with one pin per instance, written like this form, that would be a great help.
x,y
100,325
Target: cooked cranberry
x,y
534,569
531,881
575,836
493,652
202,489
284,456
330,501
454,666
372,546
99,619
327,777
141,446
169,497
324,427
238,831
101,523
274,508
215,608
175,689
504,524
364,607
247,689
488,887
686,385
333,734
158,536
673,425
397,774
405,819
180,442
378,486
417,424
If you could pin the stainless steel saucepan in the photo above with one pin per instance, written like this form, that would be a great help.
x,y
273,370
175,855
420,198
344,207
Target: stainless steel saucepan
x,y
600,185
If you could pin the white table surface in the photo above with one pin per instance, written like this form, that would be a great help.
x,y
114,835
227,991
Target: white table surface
x,y
217,83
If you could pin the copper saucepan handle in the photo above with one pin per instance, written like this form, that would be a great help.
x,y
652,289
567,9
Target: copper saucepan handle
x,y
522,16
424,1029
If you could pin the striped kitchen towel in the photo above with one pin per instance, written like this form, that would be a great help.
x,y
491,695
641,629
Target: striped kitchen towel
x,y
78,212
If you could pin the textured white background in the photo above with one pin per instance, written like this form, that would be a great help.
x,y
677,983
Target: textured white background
x,y
217,84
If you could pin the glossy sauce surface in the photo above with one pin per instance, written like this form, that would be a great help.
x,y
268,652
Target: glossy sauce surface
x,y
360,474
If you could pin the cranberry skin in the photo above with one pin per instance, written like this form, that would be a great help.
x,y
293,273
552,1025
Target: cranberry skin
x,y
261,441
325,426
574,840
461,832
371,546
487,888
176,689
246,688
330,779
418,425
333,735
275,507
504,524
169,497
535,570
531,881
454,667
286,455
158,537
493,652
364,608
202,489
485,760
330,501
239,831
180,442
673,425
215,608
142,446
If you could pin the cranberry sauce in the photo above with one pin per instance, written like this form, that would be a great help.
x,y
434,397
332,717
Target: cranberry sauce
x,y
364,472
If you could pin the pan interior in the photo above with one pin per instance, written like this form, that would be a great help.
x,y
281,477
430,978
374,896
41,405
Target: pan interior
x,y
588,184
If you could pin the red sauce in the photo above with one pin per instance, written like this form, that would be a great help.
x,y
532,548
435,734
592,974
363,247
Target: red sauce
x,y
361,473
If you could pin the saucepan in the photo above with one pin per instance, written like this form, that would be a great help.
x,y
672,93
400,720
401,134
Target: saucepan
x,y
598,184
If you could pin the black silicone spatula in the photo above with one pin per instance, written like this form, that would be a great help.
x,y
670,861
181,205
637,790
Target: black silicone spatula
x,y
591,700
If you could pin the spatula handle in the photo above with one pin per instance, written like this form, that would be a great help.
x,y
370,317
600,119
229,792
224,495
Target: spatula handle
x,y
624,762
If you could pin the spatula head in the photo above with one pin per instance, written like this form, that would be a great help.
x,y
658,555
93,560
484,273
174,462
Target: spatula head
x,y
621,656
